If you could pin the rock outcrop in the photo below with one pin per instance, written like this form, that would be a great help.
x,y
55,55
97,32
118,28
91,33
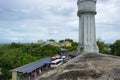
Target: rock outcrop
x,y
87,66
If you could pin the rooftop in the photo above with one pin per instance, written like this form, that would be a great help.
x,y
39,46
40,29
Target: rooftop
x,y
32,66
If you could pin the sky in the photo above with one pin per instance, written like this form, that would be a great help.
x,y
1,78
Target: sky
x,y
27,21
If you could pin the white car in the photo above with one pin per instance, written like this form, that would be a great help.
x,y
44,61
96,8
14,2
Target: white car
x,y
63,57
56,63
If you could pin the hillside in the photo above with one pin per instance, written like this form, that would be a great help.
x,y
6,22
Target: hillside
x,y
87,66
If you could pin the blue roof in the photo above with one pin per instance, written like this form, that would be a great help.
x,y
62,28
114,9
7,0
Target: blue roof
x,y
32,66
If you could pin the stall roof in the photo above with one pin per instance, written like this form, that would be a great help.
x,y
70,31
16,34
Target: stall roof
x,y
32,66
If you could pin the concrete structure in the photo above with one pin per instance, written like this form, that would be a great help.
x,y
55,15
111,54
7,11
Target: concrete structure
x,y
14,75
67,44
40,42
53,43
87,31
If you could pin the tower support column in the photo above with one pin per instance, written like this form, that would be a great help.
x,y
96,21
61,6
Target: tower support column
x,y
87,31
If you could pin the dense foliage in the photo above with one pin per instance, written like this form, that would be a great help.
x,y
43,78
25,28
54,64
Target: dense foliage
x,y
115,48
103,48
112,49
73,46
15,54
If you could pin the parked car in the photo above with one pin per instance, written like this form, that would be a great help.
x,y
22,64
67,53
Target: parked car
x,y
64,59
56,57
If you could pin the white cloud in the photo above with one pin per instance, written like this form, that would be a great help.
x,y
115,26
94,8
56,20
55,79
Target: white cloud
x,y
107,20
30,20
108,11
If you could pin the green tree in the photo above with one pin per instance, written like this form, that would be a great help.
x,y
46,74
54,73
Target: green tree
x,y
49,50
1,71
15,45
9,60
12,58
51,40
61,41
73,47
70,40
103,47
27,58
115,48
16,54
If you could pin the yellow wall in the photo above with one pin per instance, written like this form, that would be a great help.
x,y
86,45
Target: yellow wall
x,y
14,75
67,44
57,45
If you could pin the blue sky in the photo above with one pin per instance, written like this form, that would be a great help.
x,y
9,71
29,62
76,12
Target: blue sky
x,y
32,20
